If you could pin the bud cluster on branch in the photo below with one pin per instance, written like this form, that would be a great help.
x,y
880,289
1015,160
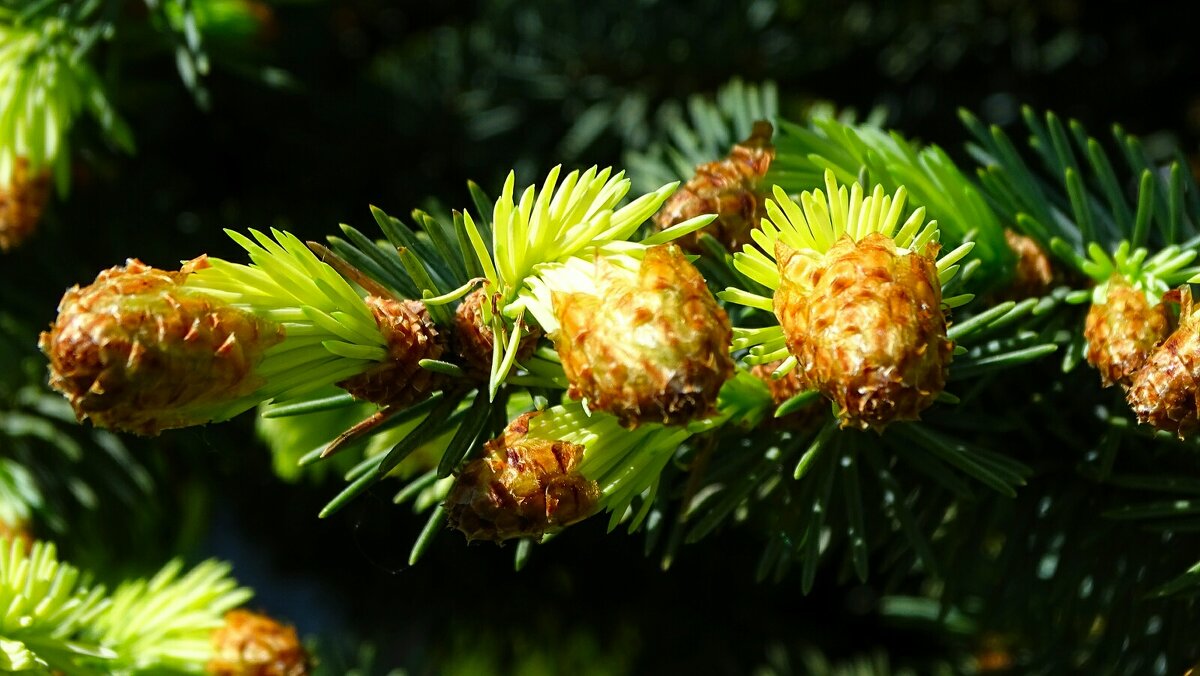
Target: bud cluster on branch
x,y
551,355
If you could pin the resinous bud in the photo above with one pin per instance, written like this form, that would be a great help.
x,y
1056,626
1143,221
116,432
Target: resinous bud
x,y
865,322
139,351
22,202
649,346
784,388
1122,330
473,339
411,336
1163,391
253,644
729,188
521,487
1033,272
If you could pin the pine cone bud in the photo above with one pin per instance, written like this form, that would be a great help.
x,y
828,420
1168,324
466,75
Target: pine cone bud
x,y
1122,331
1033,274
138,351
473,338
785,388
250,644
411,336
21,204
866,325
20,531
651,346
522,487
1163,391
728,188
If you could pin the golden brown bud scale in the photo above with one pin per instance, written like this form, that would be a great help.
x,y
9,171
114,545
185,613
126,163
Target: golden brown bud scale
x,y
649,347
1122,331
522,487
865,323
473,339
411,336
1163,392
22,202
138,351
252,644
728,188
1033,273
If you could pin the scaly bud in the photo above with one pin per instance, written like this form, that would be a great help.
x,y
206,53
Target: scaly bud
x,y
19,531
1033,273
251,644
728,188
858,296
21,203
473,338
1122,330
1163,391
784,388
138,351
648,346
522,487
411,336
866,325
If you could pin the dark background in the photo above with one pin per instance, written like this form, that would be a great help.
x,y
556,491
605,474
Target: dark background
x,y
395,103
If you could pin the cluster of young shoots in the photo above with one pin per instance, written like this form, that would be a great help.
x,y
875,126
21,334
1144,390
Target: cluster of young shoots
x,y
601,346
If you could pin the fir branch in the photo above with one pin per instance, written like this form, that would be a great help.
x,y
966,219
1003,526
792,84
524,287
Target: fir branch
x,y
48,606
317,307
48,85
166,622
1081,202
56,621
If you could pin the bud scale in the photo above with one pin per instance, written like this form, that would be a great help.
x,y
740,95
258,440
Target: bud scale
x,y
652,346
866,324
522,487
138,351
411,336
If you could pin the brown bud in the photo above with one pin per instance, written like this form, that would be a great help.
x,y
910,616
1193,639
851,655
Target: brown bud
x,y
250,644
138,351
1122,331
21,203
411,336
865,323
728,188
20,531
1163,391
785,388
473,338
1033,273
651,346
522,487
266,23
994,654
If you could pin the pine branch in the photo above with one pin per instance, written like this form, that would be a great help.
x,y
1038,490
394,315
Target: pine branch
x,y
56,620
166,622
1072,190
49,86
